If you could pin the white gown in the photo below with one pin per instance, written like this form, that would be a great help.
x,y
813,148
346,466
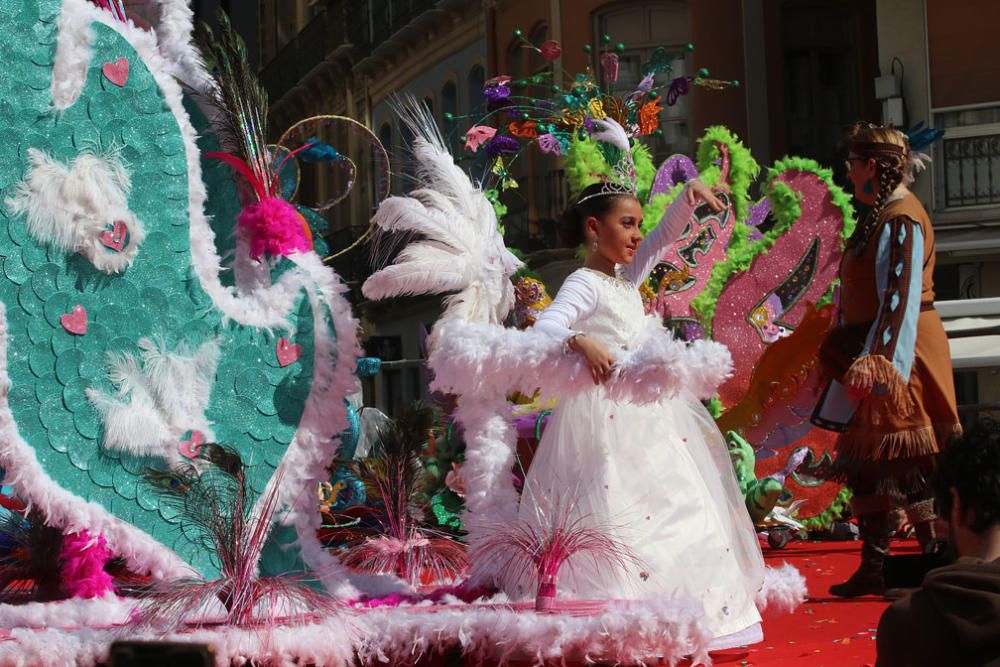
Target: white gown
x,y
659,474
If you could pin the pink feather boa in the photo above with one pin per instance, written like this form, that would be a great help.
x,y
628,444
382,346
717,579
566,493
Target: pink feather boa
x,y
274,228
83,558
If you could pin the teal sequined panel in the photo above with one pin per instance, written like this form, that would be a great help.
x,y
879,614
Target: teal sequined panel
x,y
255,404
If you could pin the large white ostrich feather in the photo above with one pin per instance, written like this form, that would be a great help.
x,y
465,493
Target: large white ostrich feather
x,y
454,246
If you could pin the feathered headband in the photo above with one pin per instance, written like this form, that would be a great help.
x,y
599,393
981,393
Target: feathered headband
x,y
918,138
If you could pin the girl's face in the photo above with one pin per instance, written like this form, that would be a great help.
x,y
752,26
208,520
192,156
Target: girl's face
x,y
616,231
862,173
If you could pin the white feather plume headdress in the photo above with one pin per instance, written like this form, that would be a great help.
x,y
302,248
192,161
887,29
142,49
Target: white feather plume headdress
x,y
454,245
623,178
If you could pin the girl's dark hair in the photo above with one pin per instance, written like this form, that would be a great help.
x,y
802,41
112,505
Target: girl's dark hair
x,y
570,229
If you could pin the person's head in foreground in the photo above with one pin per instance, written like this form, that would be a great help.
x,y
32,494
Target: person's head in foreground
x,y
968,491
954,619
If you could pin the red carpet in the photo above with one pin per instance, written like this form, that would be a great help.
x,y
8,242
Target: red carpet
x,y
825,631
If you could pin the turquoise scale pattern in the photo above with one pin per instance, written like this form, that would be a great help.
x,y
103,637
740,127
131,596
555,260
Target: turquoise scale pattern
x,y
255,404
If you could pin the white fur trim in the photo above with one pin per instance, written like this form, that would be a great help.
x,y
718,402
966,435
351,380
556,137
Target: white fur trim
x,y
482,363
470,358
490,497
72,613
329,643
626,633
783,591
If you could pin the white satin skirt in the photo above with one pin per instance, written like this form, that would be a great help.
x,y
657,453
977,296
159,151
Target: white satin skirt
x,y
659,479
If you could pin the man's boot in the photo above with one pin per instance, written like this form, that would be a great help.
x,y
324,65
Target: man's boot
x,y
922,517
867,579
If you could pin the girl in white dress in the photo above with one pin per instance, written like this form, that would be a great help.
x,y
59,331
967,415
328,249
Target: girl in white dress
x,y
660,474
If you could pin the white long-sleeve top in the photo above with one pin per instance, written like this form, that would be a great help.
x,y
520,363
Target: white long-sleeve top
x,y
578,297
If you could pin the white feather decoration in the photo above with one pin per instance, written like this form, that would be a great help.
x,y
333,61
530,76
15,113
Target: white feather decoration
x,y
475,359
156,402
460,250
610,131
75,208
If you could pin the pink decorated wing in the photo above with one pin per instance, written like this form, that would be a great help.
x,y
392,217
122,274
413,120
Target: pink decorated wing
x,y
764,303
684,269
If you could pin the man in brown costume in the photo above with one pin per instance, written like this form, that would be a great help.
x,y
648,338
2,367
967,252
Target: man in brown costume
x,y
891,393
954,619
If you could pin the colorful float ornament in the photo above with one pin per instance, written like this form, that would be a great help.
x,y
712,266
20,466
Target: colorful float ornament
x,y
272,224
575,109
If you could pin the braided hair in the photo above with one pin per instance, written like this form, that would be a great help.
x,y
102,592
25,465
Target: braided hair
x,y
891,152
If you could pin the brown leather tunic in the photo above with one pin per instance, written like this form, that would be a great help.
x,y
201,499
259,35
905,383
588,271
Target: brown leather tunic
x,y
883,429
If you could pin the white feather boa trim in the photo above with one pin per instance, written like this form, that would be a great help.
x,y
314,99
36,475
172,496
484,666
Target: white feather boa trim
x,y
625,633
330,643
474,359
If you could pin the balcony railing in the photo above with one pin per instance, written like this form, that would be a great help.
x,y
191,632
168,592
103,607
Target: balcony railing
x,y
361,24
336,25
971,170
387,17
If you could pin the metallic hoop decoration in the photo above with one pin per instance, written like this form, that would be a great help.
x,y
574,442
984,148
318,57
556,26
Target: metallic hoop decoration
x,y
306,127
284,152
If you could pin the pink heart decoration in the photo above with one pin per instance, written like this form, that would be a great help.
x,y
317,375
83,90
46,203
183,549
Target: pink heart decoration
x,y
114,239
287,352
75,322
116,72
191,448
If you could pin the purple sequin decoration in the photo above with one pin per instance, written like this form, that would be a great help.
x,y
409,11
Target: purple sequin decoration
x,y
688,329
675,169
496,93
548,143
501,144
758,213
588,124
678,87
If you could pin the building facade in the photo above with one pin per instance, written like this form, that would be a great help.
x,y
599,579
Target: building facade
x,y
808,68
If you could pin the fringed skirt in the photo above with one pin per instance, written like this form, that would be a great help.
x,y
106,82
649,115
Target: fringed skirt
x,y
891,451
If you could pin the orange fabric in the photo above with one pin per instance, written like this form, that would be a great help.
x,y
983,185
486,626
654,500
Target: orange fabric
x,y
780,371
